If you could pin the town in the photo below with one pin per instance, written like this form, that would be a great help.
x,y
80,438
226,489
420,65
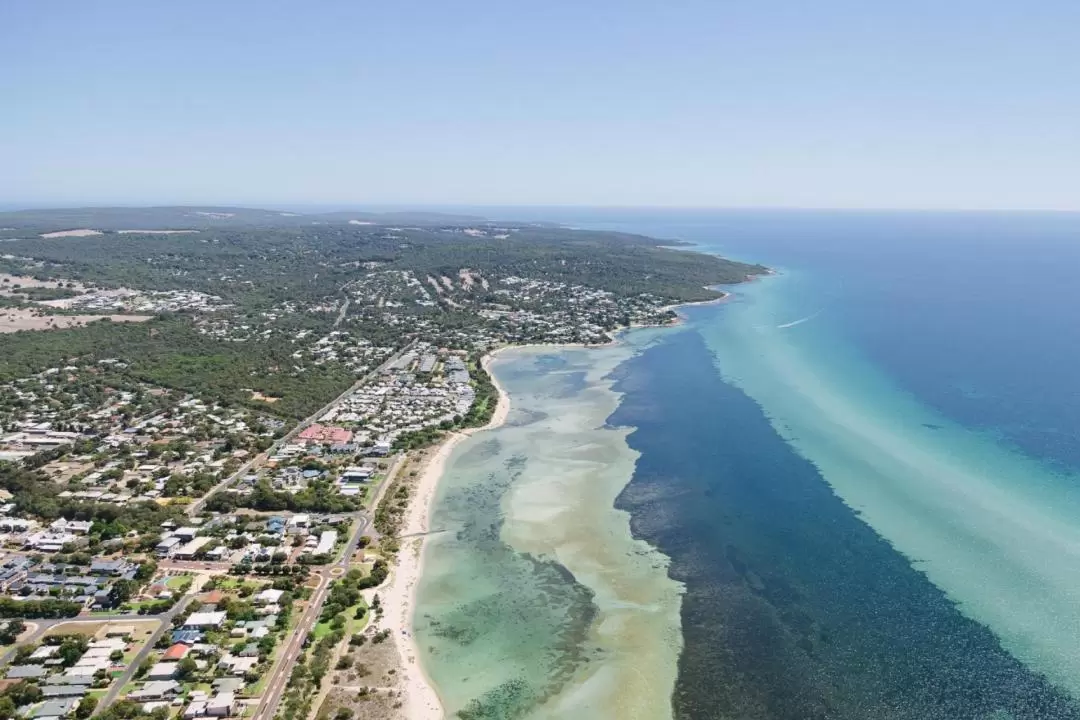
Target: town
x,y
198,507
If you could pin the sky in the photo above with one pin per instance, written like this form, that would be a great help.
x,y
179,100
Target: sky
x,y
961,104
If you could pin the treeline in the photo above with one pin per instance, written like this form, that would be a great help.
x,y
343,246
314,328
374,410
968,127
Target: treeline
x,y
172,353
45,608
36,495
319,497
260,266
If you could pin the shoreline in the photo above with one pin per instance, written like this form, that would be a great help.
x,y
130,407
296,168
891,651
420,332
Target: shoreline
x,y
422,701
421,698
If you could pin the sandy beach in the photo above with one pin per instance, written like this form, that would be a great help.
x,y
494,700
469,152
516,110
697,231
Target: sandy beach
x,y
399,598
421,700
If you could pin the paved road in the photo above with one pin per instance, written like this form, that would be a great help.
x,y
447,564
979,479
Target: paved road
x,y
272,697
196,507
279,678
166,619
42,626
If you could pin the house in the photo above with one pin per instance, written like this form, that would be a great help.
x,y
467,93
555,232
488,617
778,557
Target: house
x,y
205,620
186,533
236,665
156,690
196,708
300,520
188,637
356,474
43,653
112,568
269,596
325,434
190,549
221,705
175,652
75,527
326,544
49,541
162,671
24,672
56,708
167,546
228,684
76,690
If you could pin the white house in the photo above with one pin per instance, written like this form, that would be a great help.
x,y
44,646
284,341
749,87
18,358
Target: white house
x,y
205,619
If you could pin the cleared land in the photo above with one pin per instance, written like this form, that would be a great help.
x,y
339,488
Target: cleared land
x,y
16,319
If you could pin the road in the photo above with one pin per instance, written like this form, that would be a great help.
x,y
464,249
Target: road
x,y
283,668
196,507
43,625
279,676
166,619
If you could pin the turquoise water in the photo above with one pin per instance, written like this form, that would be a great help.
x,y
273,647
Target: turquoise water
x,y
535,600
863,473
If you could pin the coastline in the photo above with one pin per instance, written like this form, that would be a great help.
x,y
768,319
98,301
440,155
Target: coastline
x,y
421,701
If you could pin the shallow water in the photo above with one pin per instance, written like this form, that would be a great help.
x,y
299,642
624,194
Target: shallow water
x,y
535,601
863,475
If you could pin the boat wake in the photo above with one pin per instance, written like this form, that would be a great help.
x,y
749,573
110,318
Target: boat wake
x,y
800,321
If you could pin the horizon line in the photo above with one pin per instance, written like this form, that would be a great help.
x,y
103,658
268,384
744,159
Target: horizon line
x,y
442,206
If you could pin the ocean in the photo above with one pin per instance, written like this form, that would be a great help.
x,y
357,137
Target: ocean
x,y
850,491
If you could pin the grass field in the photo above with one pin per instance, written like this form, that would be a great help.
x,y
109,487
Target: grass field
x,y
177,582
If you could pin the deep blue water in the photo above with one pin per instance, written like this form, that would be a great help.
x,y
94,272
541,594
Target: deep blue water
x,y
794,608
974,313
803,597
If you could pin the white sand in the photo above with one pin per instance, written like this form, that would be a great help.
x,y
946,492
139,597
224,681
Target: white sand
x,y
399,598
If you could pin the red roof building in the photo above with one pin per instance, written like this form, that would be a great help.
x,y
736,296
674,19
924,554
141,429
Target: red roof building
x,y
325,434
176,652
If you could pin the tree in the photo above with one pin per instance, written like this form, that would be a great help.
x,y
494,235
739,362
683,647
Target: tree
x,y
86,708
11,631
186,670
24,693
146,570
122,591
7,708
72,648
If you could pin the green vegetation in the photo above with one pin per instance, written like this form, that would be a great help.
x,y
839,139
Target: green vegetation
x,y
45,608
295,272
34,494
263,265
320,496
10,631
170,352
132,710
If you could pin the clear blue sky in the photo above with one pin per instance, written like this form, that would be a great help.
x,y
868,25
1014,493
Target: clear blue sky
x,y
822,103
